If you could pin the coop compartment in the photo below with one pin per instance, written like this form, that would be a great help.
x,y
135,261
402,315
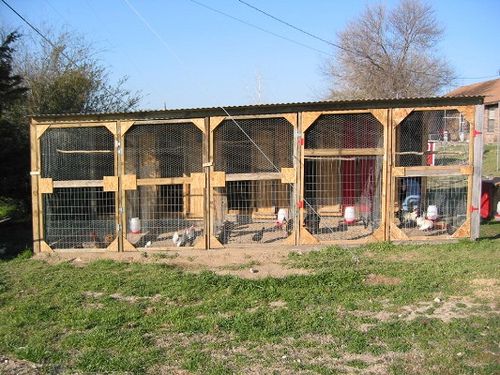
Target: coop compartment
x,y
432,138
81,218
85,153
431,206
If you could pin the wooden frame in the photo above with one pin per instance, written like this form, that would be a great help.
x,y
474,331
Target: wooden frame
x,y
205,183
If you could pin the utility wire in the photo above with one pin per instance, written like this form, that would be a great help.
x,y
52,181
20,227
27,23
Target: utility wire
x,y
258,27
337,45
53,45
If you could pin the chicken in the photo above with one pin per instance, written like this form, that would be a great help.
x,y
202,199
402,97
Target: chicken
x,y
424,224
311,222
178,239
190,235
257,237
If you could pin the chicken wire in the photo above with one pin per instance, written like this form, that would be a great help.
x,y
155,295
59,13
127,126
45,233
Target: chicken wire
x,y
345,131
164,216
432,138
253,212
431,206
342,196
163,150
236,152
79,218
85,153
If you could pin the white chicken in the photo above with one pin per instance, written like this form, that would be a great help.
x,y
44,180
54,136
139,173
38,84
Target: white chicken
x,y
424,224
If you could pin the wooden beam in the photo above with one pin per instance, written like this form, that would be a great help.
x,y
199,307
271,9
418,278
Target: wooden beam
x,y
125,127
475,188
379,233
306,238
40,129
468,112
199,123
162,181
252,176
35,173
397,234
343,151
127,246
214,243
78,183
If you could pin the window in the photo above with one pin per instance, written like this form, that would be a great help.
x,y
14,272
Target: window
x,y
491,119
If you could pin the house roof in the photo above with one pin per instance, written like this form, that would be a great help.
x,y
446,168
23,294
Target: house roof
x,y
489,89
271,108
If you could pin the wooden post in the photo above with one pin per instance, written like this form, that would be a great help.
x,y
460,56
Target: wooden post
x,y
476,148
382,232
120,229
34,173
300,145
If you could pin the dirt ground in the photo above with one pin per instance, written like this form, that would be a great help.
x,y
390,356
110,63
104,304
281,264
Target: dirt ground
x,y
246,262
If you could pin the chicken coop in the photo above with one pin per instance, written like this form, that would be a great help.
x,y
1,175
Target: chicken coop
x,y
344,172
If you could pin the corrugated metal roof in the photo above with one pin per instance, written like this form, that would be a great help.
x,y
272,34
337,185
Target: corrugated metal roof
x,y
282,107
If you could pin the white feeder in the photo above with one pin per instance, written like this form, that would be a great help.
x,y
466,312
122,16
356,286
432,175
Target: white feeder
x,y
349,215
135,225
432,212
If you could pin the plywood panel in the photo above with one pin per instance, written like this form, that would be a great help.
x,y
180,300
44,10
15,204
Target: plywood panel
x,y
287,175
110,183
196,195
45,186
129,182
218,179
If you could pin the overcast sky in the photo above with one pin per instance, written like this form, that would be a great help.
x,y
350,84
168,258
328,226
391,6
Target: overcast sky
x,y
181,54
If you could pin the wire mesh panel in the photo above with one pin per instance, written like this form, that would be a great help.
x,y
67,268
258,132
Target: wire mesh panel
x,y
85,153
258,208
431,206
253,212
340,131
164,216
432,138
79,218
256,145
163,150
343,185
342,196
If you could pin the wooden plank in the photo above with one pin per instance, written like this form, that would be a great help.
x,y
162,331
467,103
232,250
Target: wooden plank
x,y
441,170
379,233
125,127
287,175
199,123
214,243
40,129
389,178
111,127
127,246
475,189
463,231
78,183
385,178
35,172
196,195
252,176
397,234
381,115
162,181
129,182
468,112
306,238
300,186
110,183
398,171
199,243
216,121
45,186
343,152
207,163
399,114
113,246
308,118
218,179
45,248
291,118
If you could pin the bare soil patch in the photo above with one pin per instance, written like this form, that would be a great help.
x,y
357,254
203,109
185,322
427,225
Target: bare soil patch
x,y
373,279
10,366
488,289
249,263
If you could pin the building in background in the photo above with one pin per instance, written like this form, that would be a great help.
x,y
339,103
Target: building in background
x,y
491,92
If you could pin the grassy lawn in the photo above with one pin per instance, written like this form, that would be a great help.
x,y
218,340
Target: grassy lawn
x,y
426,309
490,161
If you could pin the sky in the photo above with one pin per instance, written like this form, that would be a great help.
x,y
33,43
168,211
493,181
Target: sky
x,y
180,54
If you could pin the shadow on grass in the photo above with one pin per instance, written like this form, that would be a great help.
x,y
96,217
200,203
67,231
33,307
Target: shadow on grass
x,y
490,230
15,237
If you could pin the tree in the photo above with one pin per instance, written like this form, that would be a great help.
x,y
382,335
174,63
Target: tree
x,y
65,76
390,53
11,85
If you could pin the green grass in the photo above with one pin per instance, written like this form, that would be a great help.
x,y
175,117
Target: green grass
x,y
79,318
490,161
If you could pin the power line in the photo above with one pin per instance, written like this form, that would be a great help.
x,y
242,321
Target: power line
x,y
258,27
53,45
